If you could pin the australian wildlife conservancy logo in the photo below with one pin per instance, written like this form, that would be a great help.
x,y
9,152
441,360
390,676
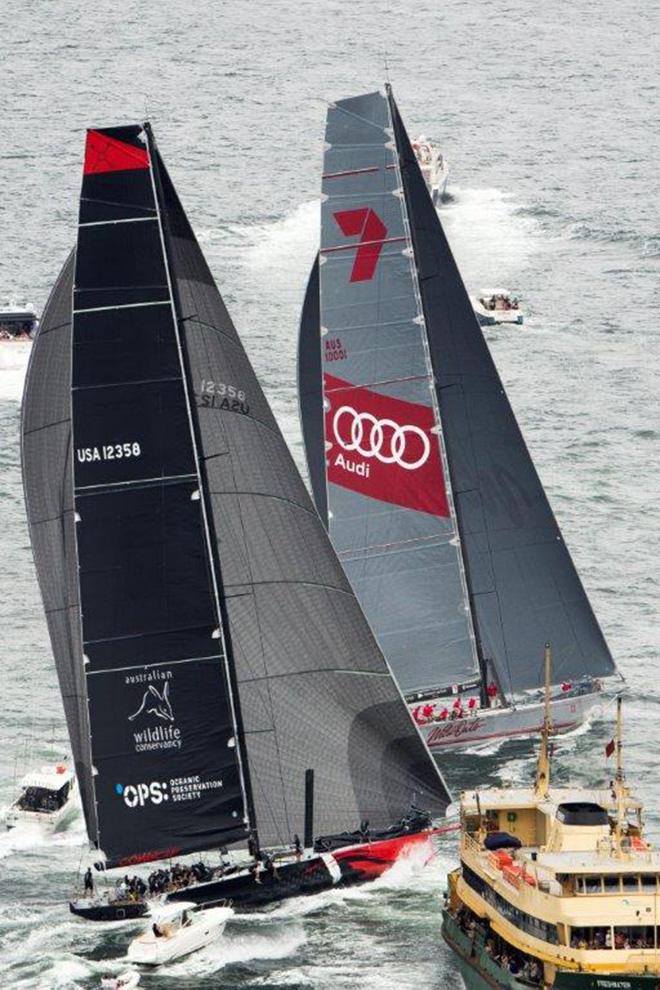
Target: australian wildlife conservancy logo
x,y
153,719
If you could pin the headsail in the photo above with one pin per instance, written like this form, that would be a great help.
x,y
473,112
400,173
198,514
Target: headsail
x,y
223,652
522,587
390,504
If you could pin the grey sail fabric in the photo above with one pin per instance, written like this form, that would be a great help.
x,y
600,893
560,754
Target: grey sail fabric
x,y
391,517
314,689
310,391
46,464
524,589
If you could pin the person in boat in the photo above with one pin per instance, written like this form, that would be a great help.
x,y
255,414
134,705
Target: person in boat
x,y
270,868
157,930
297,848
88,882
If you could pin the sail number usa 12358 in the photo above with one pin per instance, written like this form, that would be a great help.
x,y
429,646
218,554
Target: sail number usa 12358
x,y
109,452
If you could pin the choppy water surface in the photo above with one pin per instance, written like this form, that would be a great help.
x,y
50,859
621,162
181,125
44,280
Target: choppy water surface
x,y
544,115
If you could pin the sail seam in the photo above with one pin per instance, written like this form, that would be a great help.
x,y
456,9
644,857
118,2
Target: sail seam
x,y
141,381
317,670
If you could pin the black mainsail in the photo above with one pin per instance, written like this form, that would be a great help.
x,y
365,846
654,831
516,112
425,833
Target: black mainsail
x,y
421,451
209,647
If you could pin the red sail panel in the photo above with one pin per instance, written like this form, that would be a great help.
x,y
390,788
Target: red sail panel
x,y
383,447
107,154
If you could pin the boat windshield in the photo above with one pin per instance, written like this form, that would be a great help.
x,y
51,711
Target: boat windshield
x,y
42,799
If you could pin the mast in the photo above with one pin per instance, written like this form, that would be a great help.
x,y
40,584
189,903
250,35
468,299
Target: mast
x,y
620,789
542,783
211,537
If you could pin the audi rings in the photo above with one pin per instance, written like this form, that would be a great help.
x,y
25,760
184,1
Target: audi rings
x,y
368,438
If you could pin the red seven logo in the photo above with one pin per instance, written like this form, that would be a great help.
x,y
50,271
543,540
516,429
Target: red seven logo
x,y
371,231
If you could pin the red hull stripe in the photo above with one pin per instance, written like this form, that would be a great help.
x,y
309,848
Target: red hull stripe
x,y
464,738
107,154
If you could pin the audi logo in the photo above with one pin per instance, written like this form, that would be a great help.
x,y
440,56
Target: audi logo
x,y
368,438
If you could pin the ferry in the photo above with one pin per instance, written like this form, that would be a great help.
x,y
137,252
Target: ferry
x,y
557,886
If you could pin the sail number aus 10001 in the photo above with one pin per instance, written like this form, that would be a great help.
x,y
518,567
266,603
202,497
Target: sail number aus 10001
x,y
109,452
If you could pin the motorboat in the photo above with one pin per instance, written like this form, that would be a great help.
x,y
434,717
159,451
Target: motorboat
x,y
433,166
125,981
497,306
46,797
176,931
18,323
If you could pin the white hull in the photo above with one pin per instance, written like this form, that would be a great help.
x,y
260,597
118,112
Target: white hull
x,y
503,723
496,317
151,950
49,821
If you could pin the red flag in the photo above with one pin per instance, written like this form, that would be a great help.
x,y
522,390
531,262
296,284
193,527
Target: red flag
x,y
609,749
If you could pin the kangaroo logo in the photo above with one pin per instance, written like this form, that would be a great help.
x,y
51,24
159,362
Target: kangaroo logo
x,y
155,703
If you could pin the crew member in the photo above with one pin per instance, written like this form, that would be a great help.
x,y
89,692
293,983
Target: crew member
x,y
89,882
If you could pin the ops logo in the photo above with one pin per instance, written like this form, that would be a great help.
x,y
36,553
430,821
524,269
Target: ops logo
x,y
137,795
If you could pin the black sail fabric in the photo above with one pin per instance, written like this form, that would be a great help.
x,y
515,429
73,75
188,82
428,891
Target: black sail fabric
x,y
524,588
46,462
151,718
315,691
310,391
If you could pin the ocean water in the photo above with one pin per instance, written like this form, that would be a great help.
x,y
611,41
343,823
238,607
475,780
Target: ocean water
x,y
545,113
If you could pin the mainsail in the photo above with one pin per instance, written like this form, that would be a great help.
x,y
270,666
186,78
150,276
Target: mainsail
x,y
209,647
395,319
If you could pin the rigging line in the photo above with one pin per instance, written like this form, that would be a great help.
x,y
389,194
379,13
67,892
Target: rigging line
x,y
43,331
46,426
278,498
385,381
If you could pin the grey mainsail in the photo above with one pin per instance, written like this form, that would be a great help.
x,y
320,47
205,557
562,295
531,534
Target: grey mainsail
x,y
521,585
391,517
223,652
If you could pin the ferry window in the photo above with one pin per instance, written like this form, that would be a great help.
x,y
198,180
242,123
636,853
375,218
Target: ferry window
x,y
612,884
591,938
648,881
593,885
630,883
633,937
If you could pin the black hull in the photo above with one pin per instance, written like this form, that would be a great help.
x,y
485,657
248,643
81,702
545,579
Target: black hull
x,y
109,912
292,880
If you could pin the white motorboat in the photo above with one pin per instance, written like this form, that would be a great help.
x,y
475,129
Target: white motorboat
x,y
18,323
433,166
176,931
497,306
125,981
46,797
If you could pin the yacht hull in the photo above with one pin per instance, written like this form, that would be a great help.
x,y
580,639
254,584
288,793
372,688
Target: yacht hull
x,y
502,723
343,867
